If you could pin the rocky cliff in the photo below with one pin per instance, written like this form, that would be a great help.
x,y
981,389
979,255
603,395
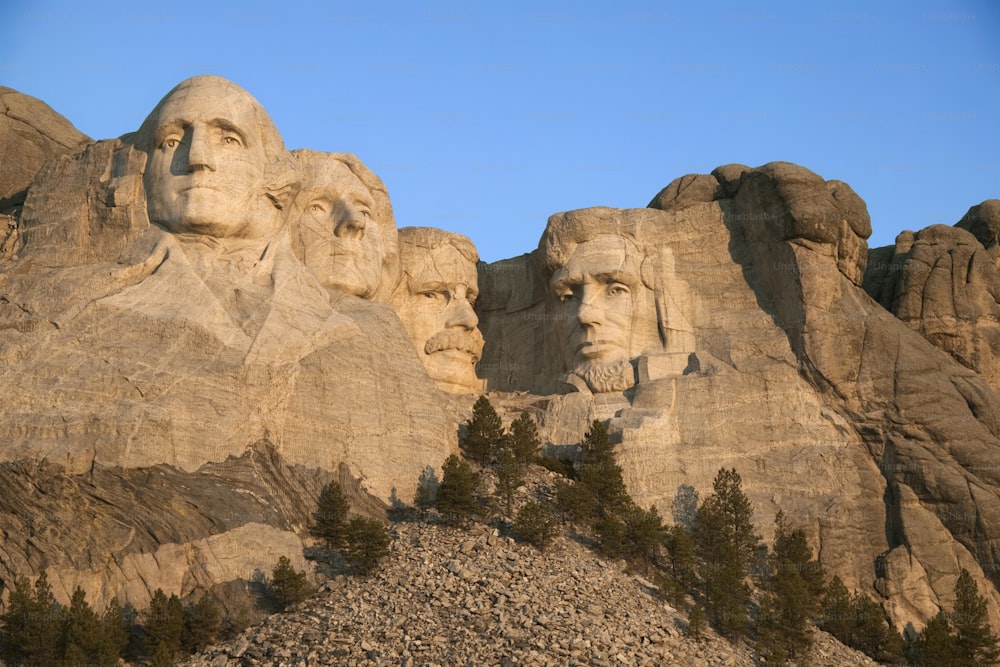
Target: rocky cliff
x,y
833,410
178,383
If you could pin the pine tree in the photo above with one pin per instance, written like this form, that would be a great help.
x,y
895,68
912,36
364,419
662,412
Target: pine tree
x,y
726,543
523,439
115,627
367,544
838,612
427,488
871,633
696,623
456,495
202,622
684,509
935,645
682,578
508,477
792,594
164,625
331,515
84,639
30,627
288,585
601,474
484,434
535,525
975,643
644,535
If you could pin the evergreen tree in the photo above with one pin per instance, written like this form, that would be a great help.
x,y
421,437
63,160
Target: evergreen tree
x,y
427,488
575,501
682,578
935,645
508,477
523,439
288,586
484,434
684,509
838,612
202,622
726,543
84,639
696,623
30,627
601,474
871,633
456,495
367,544
331,515
115,626
535,525
164,625
792,594
644,535
975,643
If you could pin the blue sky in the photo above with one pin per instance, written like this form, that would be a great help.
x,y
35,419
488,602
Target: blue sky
x,y
485,118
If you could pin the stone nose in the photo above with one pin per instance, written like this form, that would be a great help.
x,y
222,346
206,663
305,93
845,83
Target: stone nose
x,y
351,223
460,315
200,154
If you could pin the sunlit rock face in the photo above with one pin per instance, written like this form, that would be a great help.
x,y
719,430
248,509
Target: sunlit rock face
x,y
771,359
944,283
199,328
156,314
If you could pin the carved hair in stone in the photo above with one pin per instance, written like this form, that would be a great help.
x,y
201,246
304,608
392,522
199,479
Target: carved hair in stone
x,y
342,225
435,300
609,303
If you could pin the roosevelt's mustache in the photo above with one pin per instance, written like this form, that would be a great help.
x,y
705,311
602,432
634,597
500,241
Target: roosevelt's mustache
x,y
470,342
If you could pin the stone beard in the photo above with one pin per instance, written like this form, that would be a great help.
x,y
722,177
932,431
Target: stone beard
x,y
435,302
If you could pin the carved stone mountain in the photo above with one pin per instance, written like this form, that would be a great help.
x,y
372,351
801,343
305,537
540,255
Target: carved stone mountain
x,y
198,329
832,410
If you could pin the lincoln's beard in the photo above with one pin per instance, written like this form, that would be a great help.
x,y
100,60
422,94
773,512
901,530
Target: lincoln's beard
x,y
606,377
470,342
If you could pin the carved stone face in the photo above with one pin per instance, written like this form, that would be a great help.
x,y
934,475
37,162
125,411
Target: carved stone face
x,y
605,315
435,302
206,163
337,236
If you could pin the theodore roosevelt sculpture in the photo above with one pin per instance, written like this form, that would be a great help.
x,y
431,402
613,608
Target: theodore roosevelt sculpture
x,y
435,299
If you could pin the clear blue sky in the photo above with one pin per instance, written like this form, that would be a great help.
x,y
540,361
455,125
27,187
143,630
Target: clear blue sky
x,y
485,118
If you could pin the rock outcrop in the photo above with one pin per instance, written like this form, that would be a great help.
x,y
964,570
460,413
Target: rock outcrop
x,y
197,330
944,283
860,430
31,134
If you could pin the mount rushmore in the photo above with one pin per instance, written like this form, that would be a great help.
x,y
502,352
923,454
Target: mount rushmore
x,y
200,327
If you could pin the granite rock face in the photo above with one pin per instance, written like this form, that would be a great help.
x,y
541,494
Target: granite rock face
x,y
865,434
156,317
199,328
944,283
31,134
